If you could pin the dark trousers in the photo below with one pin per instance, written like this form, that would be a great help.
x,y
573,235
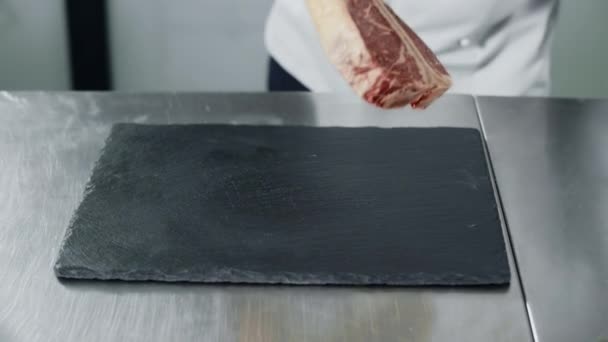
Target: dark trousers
x,y
281,80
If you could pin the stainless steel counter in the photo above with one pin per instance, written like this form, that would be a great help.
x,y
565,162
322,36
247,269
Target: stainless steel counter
x,y
550,160
48,144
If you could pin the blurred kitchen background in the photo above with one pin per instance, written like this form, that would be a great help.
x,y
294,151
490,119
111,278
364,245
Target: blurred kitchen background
x,y
217,45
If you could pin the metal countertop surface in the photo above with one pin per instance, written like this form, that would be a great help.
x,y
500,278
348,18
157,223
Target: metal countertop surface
x,y
48,145
550,160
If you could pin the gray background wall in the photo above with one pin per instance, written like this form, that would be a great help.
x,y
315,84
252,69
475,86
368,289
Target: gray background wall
x,y
167,45
209,45
580,49
33,51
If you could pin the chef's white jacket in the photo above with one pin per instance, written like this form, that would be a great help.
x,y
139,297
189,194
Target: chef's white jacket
x,y
490,47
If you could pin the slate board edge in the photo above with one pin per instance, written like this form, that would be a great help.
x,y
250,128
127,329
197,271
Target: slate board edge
x,y
70,228
285,278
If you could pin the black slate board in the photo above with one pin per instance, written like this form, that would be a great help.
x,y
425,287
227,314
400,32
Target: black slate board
x,y
294,205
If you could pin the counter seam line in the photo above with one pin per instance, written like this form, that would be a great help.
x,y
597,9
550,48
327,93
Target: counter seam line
x,y
501,211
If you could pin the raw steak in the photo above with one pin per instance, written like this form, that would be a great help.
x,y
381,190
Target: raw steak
x,y
384,61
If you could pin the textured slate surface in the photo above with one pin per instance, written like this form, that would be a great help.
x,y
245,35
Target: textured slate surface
x,y
296,205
